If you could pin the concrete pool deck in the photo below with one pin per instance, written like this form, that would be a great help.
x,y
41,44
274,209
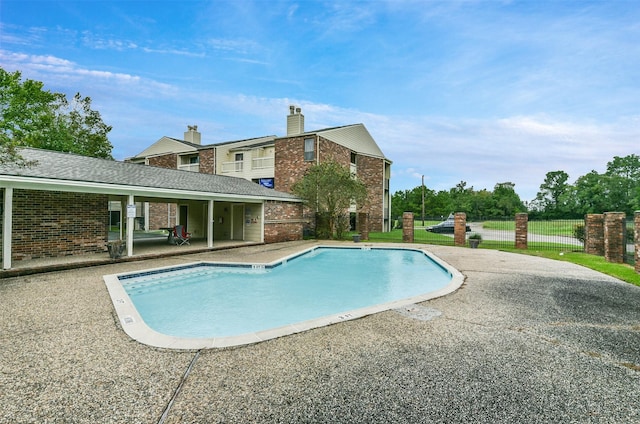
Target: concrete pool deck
x,y
524,339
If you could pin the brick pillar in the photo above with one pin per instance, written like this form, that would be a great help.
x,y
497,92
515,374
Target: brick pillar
x,y
522,229
459,229
615,244
363,225
636,225
594,234
407,227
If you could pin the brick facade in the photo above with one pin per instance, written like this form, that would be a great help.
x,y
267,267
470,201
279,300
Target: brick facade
x,y
290,167
282,221
460,228
328,150
522,230
615,244
170,160
594,234
54,224
371,173
407,227
207,158
162,215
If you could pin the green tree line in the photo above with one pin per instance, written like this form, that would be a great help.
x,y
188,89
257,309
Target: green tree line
x,y
502,201
617,189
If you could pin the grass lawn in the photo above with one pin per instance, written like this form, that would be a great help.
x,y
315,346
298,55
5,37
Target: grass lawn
x,y
560,227
623,272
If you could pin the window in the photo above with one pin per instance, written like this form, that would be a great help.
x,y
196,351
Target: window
x,y
189,163
309,149
353,158
239,161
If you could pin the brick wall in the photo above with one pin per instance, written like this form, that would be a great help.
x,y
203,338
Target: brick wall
x,y
54,224
522,229
169,160
207,161
615,244
162,215
460,228
371,173
594,234
329,150
407,227
282,221
290,167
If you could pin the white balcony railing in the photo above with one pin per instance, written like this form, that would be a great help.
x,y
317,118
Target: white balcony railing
x,y
193,167
236,166
262,163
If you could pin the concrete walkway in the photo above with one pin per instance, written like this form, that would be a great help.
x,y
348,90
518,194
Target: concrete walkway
x,y
524,340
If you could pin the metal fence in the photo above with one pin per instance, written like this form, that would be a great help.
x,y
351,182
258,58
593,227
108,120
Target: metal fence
x,y
500,233
629,256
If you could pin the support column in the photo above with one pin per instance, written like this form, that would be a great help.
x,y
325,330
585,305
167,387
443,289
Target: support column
x,y
7,227
146,217
522,230
460,229
130,225
615,244
636,226
407,227
210,220
594,234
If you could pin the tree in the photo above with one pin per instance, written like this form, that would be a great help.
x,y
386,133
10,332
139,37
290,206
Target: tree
x,y
553,194
506,201
623,180
33,117
591,193
462,197
329,189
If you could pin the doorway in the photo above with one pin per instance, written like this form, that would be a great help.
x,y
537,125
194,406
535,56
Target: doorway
x,y
184,213
237,222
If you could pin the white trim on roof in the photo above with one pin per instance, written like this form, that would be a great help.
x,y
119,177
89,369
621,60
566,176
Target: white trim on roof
x,y
48,184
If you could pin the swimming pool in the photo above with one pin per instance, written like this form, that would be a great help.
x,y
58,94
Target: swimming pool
x,y
209,304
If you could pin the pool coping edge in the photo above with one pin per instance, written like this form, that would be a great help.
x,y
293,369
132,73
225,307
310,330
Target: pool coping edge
x,y
135,327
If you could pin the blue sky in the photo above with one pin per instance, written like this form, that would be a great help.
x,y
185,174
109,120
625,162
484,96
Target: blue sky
x,y
476,91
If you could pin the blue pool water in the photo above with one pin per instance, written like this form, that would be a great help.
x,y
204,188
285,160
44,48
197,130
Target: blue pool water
x,y
216,300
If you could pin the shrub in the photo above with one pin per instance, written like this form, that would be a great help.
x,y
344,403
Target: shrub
x,y
578,232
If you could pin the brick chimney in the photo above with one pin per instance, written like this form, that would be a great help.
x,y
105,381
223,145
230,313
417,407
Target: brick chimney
x,y
295,121
192,135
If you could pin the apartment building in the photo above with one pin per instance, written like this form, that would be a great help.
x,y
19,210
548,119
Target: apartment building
x,y
278,162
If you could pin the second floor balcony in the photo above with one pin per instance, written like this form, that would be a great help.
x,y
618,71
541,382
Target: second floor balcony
x,y
240,166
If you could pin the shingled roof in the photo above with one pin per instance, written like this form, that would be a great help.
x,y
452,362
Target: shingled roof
x,y
67,167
